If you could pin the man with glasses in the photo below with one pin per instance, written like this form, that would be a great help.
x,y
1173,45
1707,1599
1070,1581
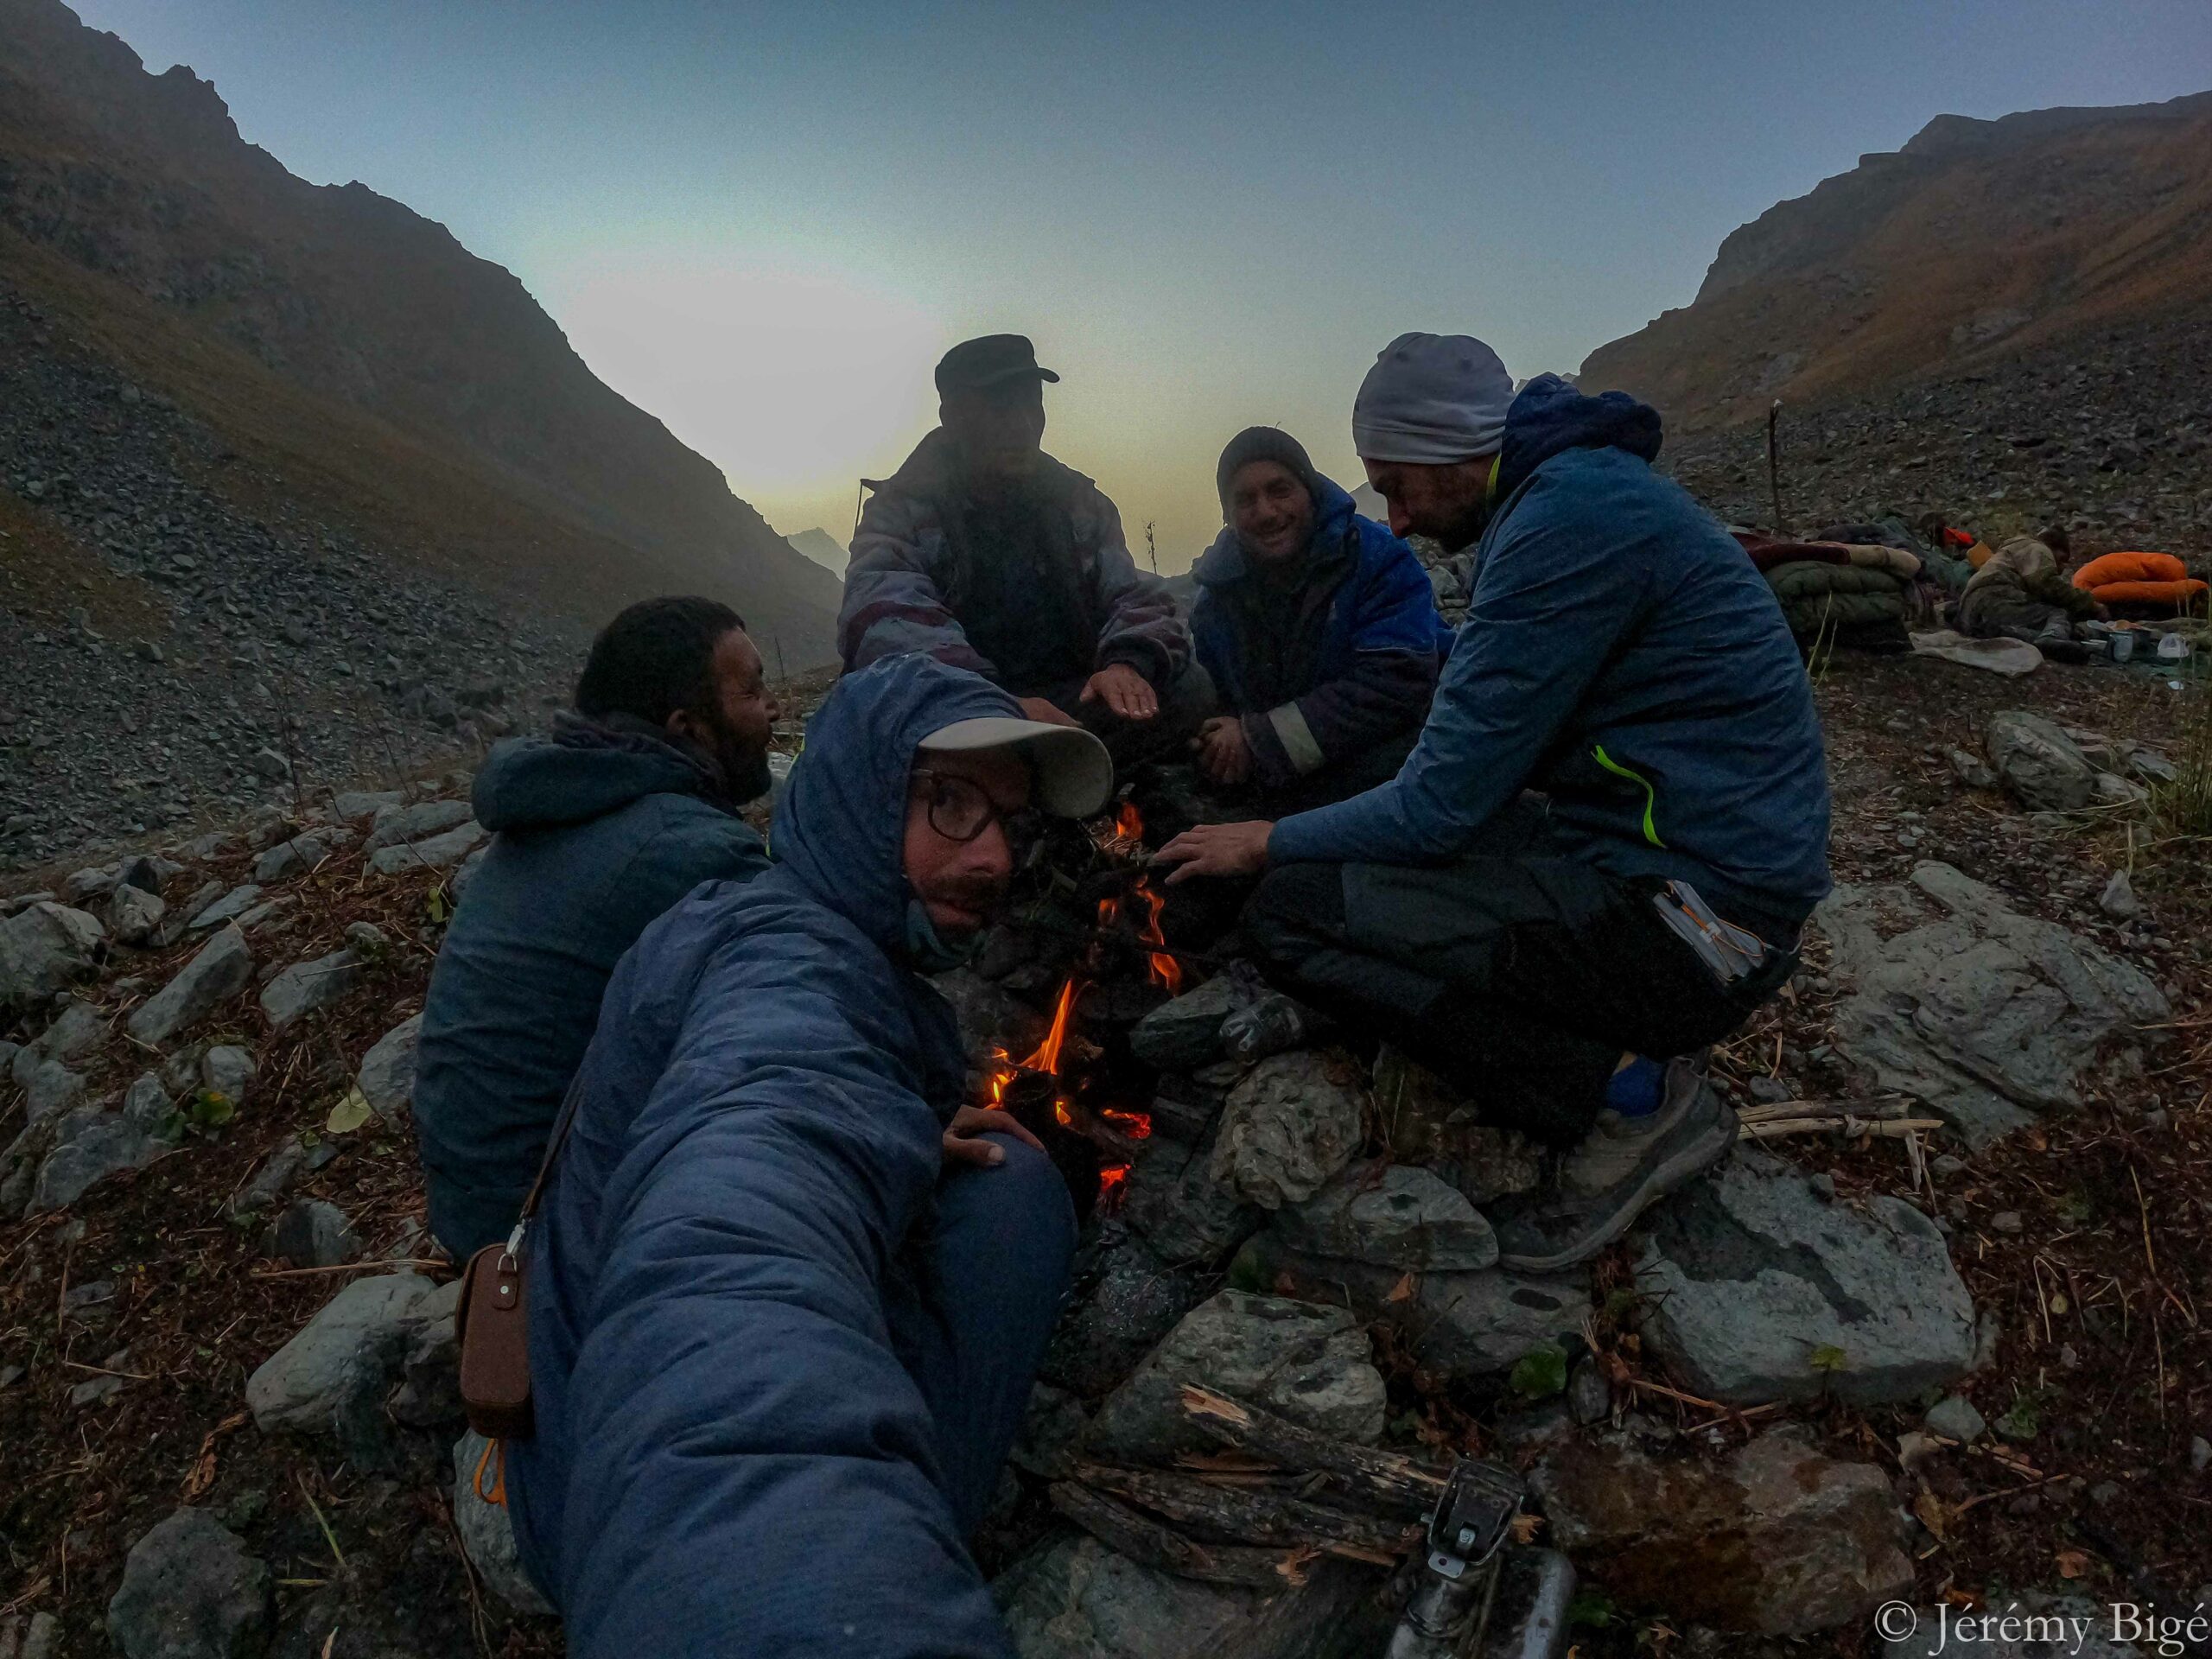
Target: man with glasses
x,y
787,1295
984,552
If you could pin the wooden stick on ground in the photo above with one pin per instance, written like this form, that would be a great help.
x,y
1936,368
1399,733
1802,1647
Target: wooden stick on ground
x,y
1384,1481
1248,1516
1150,1543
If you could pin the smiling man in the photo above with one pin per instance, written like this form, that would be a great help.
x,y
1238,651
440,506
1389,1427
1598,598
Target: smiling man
x,y
1599,855
984,552
787,1295
1318,629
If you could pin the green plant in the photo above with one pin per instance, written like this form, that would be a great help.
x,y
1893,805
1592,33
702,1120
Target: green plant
x,y
2184,806
1538,1374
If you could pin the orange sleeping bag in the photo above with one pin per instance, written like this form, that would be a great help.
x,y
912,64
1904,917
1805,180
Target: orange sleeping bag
x,y
2152,579
2130,568
2178,596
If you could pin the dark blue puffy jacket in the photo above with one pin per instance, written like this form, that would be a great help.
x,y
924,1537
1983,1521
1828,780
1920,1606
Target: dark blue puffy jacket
x,y
730,1459
1621,655
1345,661
598,833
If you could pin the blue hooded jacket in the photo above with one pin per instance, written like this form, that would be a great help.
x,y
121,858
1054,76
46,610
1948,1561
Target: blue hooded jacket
x,y
598,833
729,1458
1622,656
1352,663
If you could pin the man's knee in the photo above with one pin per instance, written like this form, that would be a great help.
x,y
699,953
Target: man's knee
x,y
1018,1211
1296,908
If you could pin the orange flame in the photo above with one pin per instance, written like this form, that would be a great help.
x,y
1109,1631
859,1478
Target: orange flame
x,y
1136,1125
1112,1186
1048,1057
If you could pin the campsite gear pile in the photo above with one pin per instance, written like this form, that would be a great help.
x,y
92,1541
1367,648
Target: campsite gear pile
x,y
2143,586
1863,596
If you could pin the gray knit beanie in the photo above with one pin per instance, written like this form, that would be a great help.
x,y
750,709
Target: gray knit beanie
x,y
1431,400
1262,443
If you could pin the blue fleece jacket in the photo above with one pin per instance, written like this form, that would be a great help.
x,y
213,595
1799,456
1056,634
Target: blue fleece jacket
x,y
730,1458
1343,658
596,835
1621,655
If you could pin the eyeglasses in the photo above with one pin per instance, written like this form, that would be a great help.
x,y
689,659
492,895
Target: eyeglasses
x,y
961,809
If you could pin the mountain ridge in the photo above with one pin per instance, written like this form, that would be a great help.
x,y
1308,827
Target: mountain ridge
x,y
1975,242
144,179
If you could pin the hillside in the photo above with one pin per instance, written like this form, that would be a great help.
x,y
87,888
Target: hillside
x,y
374,368
823,549
1979,240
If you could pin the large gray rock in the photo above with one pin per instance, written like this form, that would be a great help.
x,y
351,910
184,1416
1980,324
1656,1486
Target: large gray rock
x,y
1293,1121
38,1637
396,825
314,1233
1185,1034
1075,1598
1391,1216
329,1382
134,915
387,1075
2044,768
436,853
147,1106
306,986
223,968
353,804
49,1086
79,1028
228,908
1124,1301
487,1534
190,1590
1461,1325
1174,1203
227,1069
1984,1015
295,856
1776,1540
1759,1289
42,949
1300,1360
90,1144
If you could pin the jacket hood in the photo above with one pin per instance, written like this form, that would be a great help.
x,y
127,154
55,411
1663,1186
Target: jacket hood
x,y
1225,562
586,774
1551,416
839,829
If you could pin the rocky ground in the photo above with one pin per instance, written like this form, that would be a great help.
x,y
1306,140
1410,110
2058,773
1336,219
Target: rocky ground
x,y
2110,435
1959,1363
179,645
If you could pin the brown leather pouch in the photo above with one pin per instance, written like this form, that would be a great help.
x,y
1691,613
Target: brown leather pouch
x,y
495,1344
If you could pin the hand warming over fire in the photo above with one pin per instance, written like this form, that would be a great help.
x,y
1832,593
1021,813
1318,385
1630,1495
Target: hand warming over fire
x,y
1124,690
1216,849
962,1138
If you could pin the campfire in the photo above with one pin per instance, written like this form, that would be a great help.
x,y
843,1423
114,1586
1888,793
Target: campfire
x,y
1065,1091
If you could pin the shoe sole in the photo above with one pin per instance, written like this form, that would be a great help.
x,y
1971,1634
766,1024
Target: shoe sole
x,y
1664,1178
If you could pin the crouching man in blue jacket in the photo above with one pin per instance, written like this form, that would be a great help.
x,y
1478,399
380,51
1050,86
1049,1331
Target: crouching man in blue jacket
x,y
787,1298
1318,628
1599,855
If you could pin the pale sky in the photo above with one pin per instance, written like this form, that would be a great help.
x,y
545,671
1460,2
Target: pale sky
x,y
764,223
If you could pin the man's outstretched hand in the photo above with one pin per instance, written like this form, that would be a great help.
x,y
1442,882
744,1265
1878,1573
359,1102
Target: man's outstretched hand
x,y
963,1141
1124,690
1216,849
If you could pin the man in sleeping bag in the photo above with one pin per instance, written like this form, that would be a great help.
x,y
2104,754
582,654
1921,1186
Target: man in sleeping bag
x,y
787,1298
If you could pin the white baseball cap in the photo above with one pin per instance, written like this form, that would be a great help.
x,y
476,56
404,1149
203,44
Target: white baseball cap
x,y
1075,775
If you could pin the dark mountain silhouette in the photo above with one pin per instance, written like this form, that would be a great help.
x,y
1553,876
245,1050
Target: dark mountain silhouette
x,y
1977,241
353,349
